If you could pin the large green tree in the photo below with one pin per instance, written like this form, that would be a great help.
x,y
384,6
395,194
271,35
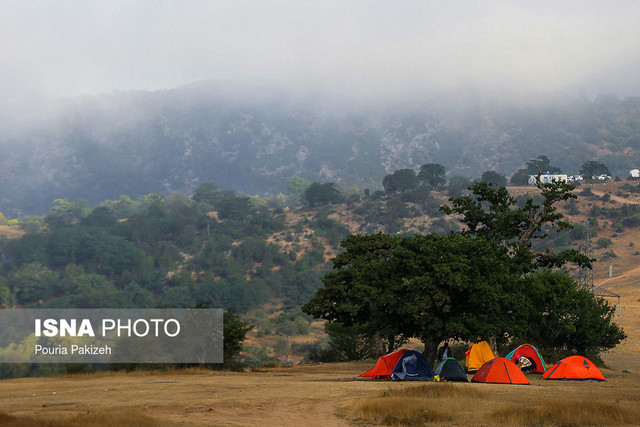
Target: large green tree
x,y
564,318
321,194
430,287
432,175
593,168
400,181
483,282
494,178
492,213
533,167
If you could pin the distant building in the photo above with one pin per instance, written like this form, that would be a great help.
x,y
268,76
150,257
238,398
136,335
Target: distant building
x,y
547,178
634,173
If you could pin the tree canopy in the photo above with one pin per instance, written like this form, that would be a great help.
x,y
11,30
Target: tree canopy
x,y
432,175
483,282
533,167
491,212
494,178
321,194
593,168
430,287
400,181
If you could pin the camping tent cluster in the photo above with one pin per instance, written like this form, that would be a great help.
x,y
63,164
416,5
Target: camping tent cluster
x,y
477,355
403,365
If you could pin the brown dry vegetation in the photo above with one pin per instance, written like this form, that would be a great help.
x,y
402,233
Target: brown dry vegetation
x,y
541,403
319,395
11,231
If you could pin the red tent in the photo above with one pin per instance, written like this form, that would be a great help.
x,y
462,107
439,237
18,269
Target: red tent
x,y
501,371
531,353
574,368
384,366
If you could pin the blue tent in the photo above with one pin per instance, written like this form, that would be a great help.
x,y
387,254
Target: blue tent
x,y
412,366
450,370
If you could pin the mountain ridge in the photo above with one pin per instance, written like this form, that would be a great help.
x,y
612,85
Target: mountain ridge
x,y
254,139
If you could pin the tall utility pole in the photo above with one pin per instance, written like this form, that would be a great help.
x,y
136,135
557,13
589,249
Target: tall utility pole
x,y
585,275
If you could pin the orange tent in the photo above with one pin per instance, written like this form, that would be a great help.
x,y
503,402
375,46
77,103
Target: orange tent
x,y
501,371
477,355
574,368
384,366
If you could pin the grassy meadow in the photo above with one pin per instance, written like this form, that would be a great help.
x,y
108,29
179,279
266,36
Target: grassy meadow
x,y
316,395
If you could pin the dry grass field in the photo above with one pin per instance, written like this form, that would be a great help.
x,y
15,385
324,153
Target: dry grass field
x,y
318,395
12,232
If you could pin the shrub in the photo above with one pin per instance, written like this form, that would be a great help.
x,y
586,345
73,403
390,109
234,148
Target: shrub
x,y
603,242
586,192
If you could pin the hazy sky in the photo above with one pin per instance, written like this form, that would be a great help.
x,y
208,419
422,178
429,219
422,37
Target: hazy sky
x,y
362,47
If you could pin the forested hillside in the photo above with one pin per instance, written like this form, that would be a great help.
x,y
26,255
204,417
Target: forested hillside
x,y
253,255
254,140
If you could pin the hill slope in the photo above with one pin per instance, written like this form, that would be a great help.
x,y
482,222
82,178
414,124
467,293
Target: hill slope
x,y
254,140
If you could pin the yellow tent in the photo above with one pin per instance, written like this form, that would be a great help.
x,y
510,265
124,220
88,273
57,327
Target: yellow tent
x,y
477,355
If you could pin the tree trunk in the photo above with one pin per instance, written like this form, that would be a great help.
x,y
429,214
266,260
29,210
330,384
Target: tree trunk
x,y
391,343
430,350
377,346
494,345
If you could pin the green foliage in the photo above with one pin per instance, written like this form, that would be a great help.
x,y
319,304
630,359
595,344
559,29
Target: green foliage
x,y
344,343
231,207
101,216
322,194
122,208
400,181
494,214
435,274
485,282
333,230
432,175
593,168
586,192
566,319
297,186
419,195
206,193
494,178
33,282
170,252
457,185
604,242
66,213
289,323
7,298
31,224
533,167
234,332
90,291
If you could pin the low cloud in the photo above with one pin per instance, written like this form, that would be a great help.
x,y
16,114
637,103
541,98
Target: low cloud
x,y
353,47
